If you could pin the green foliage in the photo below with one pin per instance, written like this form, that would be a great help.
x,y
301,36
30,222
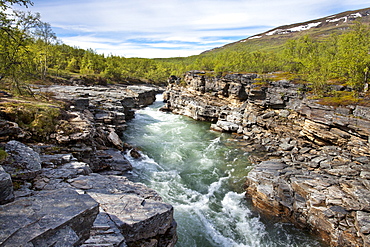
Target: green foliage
x,y
340,98
344,56
3,155
353,55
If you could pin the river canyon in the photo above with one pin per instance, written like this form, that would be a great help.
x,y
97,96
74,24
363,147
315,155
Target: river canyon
x,y
312,159
202,174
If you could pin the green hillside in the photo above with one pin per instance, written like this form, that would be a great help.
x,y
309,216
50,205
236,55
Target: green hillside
x,y
319,32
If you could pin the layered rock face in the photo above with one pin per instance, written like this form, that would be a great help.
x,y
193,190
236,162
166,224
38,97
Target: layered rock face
x,y
315,166
72,191
97,118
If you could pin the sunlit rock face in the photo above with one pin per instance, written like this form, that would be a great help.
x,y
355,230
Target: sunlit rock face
x,y
315,170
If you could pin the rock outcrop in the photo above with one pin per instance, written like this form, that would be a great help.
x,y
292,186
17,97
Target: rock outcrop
x,y
51,218
137,211
313,163
96,118
6,187
53,195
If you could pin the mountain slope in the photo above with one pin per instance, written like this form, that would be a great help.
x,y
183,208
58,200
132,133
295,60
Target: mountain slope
x,y
318,28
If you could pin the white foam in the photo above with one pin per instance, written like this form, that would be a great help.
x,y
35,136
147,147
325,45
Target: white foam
x,y
250,228
213,144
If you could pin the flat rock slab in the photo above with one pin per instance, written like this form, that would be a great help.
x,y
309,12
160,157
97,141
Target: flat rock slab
x,y
136,217
113,185
138,211
52,218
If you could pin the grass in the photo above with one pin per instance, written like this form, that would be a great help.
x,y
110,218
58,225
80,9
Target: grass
x,y
37,117
341,98
3,155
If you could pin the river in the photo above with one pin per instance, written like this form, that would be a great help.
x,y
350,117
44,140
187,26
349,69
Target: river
x,y
201,173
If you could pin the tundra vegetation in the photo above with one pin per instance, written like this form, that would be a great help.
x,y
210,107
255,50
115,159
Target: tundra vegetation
x,y
31,53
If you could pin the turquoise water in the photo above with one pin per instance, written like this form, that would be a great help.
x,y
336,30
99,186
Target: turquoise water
x,y
201,173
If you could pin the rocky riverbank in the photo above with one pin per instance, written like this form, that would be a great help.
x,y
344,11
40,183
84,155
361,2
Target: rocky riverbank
x,y
313,167
71,190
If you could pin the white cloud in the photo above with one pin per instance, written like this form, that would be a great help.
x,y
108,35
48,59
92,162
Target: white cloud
x,y
132,50
154,28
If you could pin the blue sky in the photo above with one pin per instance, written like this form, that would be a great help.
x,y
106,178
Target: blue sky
x,y
171,28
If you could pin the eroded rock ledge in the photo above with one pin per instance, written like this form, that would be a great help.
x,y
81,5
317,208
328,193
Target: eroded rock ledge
x,y
315,170
72,191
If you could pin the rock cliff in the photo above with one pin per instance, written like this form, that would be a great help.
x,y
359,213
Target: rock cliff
x,y
314,169
71,191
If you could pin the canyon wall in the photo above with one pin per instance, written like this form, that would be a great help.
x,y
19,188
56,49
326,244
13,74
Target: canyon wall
x,y
313,167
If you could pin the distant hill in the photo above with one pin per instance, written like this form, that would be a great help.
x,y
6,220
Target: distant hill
x,y
318,28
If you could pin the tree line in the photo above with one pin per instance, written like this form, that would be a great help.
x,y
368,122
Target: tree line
x,y
30,50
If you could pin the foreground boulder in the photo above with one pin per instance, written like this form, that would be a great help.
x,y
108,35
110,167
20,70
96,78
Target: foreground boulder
x,y
104,233
22,162
51,218
137,211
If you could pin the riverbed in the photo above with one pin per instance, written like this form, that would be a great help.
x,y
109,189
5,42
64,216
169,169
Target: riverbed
x,y
201,173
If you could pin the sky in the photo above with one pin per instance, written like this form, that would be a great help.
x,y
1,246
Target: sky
x,y
174,28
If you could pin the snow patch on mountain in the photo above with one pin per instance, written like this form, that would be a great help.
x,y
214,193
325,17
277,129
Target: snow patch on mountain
x,y
344,18
254,37
304,27
294,29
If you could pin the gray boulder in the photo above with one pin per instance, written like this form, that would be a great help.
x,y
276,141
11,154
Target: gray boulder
x,y
6,187
227,126
137,211
10,130
117,161
22,162
53,179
